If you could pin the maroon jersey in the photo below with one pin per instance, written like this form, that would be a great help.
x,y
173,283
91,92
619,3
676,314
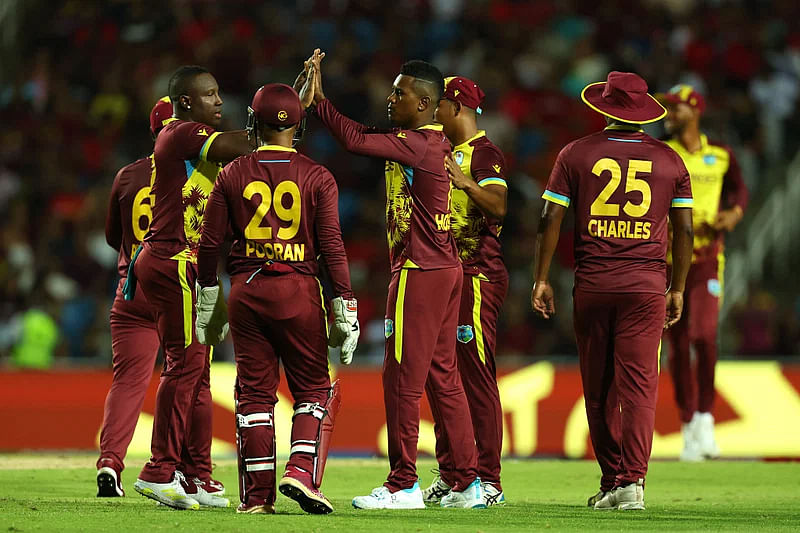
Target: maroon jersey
x,y
129,210
181,185
477,234
417,188
283,210
623,184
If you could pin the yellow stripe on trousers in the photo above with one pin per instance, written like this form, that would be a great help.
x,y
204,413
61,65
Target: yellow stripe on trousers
x,y
327,328
476,317
186,295
398,316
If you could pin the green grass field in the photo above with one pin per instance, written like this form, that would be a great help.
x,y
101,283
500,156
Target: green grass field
x,y
57,493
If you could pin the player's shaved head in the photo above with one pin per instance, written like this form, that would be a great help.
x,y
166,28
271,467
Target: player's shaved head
x,y
428,80
181,80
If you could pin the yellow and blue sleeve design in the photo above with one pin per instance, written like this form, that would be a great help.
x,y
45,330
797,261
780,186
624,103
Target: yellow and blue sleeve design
x,y
207,146
682,202
556,198
493,181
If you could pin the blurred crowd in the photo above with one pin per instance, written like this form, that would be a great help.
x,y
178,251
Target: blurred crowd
x,y
77,84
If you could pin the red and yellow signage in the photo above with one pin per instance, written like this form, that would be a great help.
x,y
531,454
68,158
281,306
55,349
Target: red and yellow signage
x,y
757,412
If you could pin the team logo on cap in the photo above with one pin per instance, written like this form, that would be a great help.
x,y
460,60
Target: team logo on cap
x,y
282,115
456,92
496,168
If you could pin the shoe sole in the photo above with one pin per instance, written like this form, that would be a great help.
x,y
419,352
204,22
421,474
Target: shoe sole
x,y
258,509
150,493
291,488
631,507
395,508
476,506
107,486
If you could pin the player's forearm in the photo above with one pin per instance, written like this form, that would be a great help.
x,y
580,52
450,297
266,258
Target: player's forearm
x,y
215,225
490,199
682,242
547,240
331,246
114,224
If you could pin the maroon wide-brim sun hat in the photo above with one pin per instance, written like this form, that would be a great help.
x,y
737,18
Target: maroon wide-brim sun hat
x,y
623,96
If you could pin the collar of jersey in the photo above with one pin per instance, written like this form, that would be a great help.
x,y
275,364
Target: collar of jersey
x,y
275,148
435,127
703,145
481,133
620,127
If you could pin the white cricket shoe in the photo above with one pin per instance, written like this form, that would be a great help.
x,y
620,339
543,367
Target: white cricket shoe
x,y
382,498
469,498
207,493
171,494
437,489
691,446
704,431
628,498
491,495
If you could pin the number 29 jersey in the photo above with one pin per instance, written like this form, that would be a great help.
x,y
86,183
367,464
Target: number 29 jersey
x,y
283,211
622,183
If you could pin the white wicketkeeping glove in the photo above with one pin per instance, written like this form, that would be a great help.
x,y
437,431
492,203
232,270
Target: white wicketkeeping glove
x,y
211,323
345,329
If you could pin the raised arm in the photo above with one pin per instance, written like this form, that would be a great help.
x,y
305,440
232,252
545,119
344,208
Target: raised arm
x,y
329,236
542,299
404,146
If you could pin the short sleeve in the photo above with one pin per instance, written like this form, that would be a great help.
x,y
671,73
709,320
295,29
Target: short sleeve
x,y
559,185
488,166
187,140
682,195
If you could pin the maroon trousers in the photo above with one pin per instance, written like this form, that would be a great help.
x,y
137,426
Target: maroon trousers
x,y
694,382
481,301
274,320
421,315
134,346
618,337
168,285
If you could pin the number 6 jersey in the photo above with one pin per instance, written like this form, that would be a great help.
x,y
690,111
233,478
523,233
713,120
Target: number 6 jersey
x,y
622,183
283,211
129,210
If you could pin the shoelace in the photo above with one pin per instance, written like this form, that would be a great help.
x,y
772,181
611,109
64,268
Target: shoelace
x,y
380,492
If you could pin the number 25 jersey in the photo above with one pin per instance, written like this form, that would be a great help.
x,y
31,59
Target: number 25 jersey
x,y
622,183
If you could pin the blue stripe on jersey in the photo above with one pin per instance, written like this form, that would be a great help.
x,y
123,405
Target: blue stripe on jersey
x,y
559,199
682,202
189,168
274,161
625,140
409,174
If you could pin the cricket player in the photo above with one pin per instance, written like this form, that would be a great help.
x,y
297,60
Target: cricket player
x,y
623,184
477,171
720,198
134,338
186,162
283,209
425,288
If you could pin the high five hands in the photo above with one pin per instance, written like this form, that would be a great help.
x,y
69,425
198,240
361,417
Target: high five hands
x,y
308,83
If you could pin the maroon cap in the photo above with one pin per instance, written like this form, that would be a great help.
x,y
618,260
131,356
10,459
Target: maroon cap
x,y
464,91
684,94
278,104
161,115
623,96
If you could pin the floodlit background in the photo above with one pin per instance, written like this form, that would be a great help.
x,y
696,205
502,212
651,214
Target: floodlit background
x,y
78,79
